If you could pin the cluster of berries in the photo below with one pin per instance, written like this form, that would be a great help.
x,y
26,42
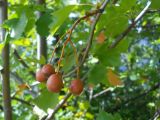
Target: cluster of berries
x,y
54,80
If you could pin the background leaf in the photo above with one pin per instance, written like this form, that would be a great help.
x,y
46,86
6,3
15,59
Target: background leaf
x,y
111,57
20,26
155,4
106,116
42,24
113,78
59,16
46,100
98,74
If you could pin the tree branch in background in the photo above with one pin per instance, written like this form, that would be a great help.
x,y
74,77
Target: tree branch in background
x,y
41,40
156,86
92,32
121,36
22,101
22,62
6,64
19,100
102,93
49,117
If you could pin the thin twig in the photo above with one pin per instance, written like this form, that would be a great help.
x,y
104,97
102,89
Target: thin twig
x,y
70,33
56,46
76,58
102,92
22,101
49,117
62,53
121,36
59,105
71,30
22,62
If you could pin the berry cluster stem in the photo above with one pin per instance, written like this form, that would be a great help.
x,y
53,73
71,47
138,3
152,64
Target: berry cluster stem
x,y
62,53
91,13
56,46
76,57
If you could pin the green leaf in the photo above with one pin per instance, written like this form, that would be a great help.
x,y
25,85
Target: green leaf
x,y
51,22
22,42
106,116
156,42
20,25
113,21
29,11
17,25
127,4
42,60
10,23
155,4
98,74
42,24
59,17
35,60
111,56
46,100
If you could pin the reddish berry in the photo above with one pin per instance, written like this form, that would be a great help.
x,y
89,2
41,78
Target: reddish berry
x,y
40,76
48,69
54,83
76,87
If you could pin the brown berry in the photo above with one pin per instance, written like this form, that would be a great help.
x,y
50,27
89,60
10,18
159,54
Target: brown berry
x,y
48,69
54,83
40,76
76,87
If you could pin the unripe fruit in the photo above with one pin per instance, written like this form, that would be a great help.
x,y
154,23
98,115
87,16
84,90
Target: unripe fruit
x,y
54,83
40,76
48,69
76,87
